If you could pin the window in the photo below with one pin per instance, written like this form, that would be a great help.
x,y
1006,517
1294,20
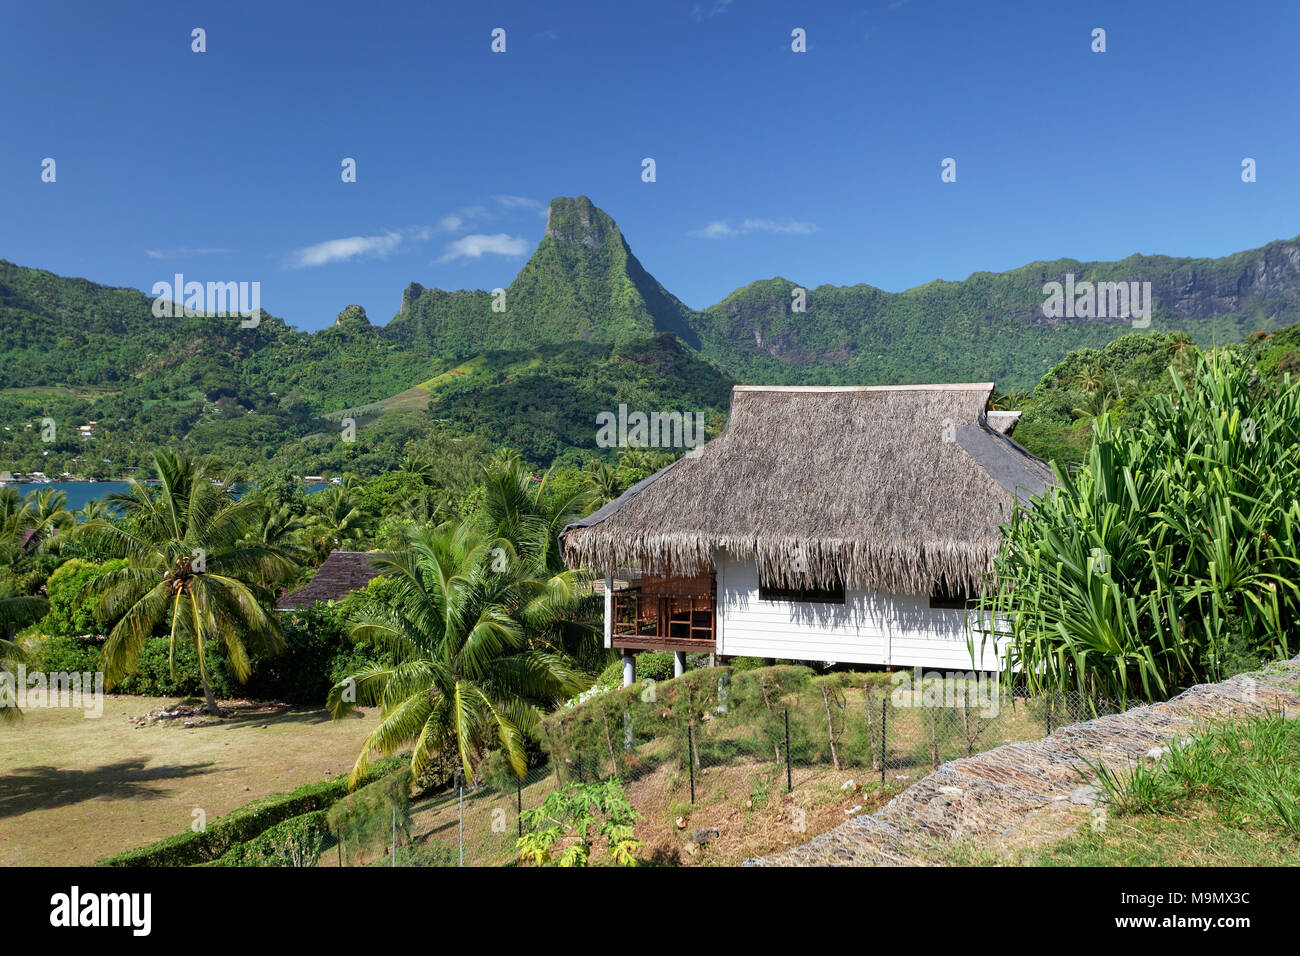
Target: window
x,y
951,599
831,595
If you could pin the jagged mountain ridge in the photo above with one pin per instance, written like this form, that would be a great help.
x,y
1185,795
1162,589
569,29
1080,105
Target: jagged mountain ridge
x,y
584,283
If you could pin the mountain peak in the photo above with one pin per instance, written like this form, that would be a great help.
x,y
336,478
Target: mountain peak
x,y
577,220
353,317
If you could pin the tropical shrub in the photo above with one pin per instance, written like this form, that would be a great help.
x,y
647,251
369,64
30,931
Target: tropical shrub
x,y
317,654
297,842
1172,556
72,604
571,820
468,637
242,825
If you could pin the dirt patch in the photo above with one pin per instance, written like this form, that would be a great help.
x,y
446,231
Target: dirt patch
x,y
196,715
741,810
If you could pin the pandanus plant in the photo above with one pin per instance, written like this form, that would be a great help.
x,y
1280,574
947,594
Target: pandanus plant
x,y
1172,556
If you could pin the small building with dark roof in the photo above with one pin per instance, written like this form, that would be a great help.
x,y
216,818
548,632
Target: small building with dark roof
x,y
342,573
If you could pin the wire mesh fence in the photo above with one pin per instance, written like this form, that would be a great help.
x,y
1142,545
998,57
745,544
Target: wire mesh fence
x,y
766,758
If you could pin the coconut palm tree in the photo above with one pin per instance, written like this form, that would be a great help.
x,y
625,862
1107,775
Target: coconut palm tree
x,y
464,676
192,572
524,519
336,521
604,483
15,612
525,514
1008,401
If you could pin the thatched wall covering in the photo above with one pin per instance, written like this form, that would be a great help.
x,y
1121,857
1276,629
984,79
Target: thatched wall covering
x,y
890,488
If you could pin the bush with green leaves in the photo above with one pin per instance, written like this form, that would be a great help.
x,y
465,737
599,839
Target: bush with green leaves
x,y
243,825
296,842
66,655
723,713
573,819
365,818
1172,556
318,653
152,675
72,606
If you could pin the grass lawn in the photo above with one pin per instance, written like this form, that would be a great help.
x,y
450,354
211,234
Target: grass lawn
x,y
74,790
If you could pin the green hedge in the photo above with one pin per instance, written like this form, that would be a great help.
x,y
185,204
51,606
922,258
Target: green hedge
x,y
297,842
244,824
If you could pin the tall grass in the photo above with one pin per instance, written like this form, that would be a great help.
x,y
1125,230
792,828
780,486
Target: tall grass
x,y
1248,773
1171,556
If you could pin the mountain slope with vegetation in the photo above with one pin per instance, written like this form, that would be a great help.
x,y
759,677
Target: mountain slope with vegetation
x,y
582,283
989,326
78,352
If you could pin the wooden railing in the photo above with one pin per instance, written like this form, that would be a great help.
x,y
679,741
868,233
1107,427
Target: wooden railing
x,y
676,622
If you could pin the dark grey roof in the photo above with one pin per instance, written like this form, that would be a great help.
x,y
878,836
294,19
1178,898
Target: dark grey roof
x,y
342,573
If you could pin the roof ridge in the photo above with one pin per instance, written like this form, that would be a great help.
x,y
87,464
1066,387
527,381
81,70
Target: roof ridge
x,y
937,387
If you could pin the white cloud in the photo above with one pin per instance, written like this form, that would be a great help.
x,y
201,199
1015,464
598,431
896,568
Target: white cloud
x,y
475,247
722,229
701,12
463,218
718,229
184,253
520,202
341,250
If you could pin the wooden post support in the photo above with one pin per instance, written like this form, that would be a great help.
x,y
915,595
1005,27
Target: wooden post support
x,y
789,781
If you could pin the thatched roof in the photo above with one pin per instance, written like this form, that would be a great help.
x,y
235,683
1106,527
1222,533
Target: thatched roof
x,y
896,488
1004,422
342,573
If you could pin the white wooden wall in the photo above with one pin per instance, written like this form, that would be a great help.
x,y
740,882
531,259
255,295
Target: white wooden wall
x,y
900,630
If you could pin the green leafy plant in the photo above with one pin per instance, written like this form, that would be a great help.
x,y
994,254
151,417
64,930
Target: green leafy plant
x,y
1171,556
573,819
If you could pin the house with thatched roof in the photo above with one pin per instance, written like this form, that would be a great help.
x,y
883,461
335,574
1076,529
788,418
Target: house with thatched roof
x,y
848,524
342,573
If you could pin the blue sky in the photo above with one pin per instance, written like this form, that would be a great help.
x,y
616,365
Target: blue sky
x,y
823,167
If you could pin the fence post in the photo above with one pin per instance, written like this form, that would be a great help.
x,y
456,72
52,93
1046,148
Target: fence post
x,y
519,804
884,716
789,782
461,825
1050,701
690,758
580,778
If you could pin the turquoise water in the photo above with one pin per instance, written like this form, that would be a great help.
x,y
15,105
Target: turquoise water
x,y
78,492
81,492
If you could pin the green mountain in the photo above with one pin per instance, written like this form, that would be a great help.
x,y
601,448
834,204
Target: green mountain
x,y
582,328
582,283
991,326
